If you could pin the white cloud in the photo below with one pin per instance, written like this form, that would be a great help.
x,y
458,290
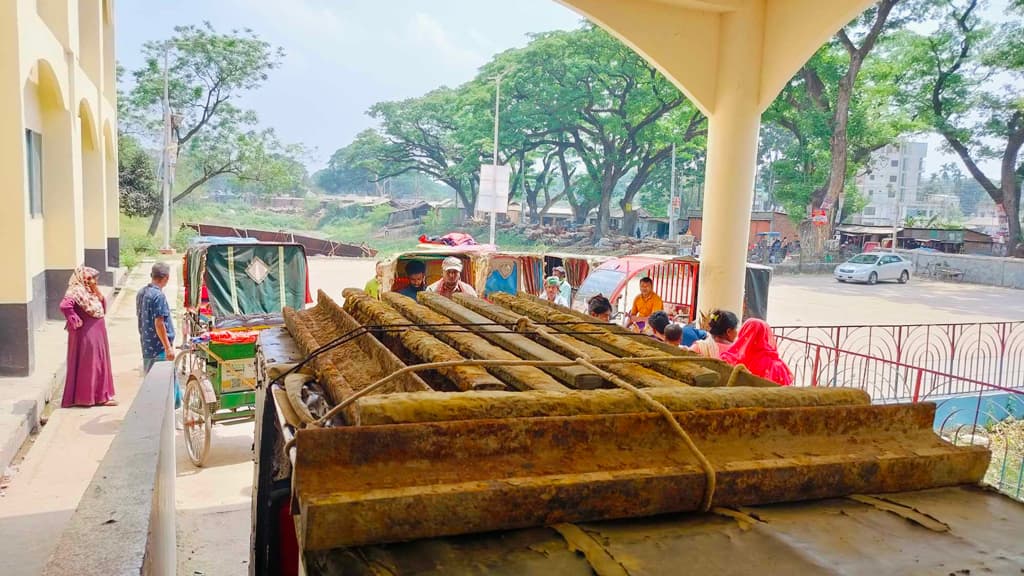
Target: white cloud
x,y
426,30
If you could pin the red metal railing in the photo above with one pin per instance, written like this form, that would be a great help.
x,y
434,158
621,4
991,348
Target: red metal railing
x,y
991,352
968,410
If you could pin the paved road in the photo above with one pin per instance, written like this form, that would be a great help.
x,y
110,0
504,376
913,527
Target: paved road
x,y
820,300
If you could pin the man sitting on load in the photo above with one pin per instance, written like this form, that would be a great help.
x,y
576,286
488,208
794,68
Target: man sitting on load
x,y
645,304
451,282
416,272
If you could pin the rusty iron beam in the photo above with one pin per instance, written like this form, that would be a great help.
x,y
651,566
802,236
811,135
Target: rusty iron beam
x,y
352,365
439,406
723,369
420,344
567,345
354,485
518,344
614,344
472,346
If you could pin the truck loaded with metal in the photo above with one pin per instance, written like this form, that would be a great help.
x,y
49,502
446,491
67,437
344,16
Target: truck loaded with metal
x,y
512,436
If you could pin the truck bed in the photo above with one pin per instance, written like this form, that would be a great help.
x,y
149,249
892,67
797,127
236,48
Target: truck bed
x,y
961,530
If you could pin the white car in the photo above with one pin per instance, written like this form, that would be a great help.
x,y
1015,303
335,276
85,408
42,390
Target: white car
x,y
874,267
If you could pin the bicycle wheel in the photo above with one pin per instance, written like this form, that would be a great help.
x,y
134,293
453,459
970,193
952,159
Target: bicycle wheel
x,y
196,422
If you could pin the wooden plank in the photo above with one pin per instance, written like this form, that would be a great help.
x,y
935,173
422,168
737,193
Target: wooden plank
x,y
472,346
568,346
421,344
439,406
615,344
574,376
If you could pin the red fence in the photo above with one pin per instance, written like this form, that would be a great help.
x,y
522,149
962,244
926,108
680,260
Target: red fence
x,y
973,372
989,353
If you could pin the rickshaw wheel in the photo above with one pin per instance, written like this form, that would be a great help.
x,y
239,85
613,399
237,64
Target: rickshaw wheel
x,y
196,422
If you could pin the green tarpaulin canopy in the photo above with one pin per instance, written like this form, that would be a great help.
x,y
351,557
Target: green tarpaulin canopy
x,y
247,278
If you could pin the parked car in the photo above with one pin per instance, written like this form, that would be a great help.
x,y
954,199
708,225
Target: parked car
x,y
873,268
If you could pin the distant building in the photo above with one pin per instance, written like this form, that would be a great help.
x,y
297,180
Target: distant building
x,y
891,182
761,224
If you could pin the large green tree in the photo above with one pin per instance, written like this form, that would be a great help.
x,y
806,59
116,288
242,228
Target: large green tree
x,y
837,110
600,108
356,167
969,76
207,71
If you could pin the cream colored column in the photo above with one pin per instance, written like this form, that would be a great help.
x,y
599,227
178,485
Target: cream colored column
x,y
111,190
733,126
95,198
62,191
16,285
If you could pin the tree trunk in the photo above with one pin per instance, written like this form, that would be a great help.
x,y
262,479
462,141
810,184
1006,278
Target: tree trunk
x,y
1011,205
154,224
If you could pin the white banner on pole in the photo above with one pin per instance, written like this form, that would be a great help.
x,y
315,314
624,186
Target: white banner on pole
x,y
487,193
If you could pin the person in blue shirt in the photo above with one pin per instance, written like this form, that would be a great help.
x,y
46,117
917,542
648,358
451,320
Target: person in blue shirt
x,y
156,328
416,271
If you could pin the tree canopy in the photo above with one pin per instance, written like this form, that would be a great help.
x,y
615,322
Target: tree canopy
x,y
207,71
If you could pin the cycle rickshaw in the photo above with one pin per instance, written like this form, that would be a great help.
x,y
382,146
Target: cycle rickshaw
x,y
233,289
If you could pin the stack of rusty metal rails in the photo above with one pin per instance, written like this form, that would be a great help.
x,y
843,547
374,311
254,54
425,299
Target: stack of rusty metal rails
x,y
532,415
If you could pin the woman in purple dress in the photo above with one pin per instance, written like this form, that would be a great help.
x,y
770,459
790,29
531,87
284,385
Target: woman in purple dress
x,y
90,381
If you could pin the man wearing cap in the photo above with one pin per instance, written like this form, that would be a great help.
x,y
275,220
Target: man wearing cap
x,y
553,293
563,287
416,272
450,282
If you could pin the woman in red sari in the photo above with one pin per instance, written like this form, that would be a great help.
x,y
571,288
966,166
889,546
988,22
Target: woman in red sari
x,y
90,381
755,349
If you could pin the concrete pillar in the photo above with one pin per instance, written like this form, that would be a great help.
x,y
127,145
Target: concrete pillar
x,y
113,201
16,322
733,125
62,204
94,198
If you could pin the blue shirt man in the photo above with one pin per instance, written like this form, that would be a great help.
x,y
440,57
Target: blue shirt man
x,y
156,328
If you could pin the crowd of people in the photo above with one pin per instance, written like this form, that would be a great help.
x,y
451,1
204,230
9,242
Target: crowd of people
x,y
750,344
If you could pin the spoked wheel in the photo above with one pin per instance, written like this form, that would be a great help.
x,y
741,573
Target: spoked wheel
x,y
873,279
196,422
904,276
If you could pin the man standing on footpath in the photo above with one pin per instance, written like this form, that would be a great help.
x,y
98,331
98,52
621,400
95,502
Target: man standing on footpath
x,y
156,328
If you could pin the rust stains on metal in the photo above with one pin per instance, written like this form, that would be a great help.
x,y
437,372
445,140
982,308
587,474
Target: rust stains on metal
x,y
614,344
439,406
353,364
472,346
518,344
419,343
469,476
567,345
723,369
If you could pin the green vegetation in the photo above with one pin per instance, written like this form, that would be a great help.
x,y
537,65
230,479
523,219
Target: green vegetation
x,y
208,73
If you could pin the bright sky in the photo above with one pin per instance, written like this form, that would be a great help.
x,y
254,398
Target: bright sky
x,y
342,56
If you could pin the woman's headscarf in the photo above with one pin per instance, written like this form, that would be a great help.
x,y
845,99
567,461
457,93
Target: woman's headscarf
x,y
755,348
80,293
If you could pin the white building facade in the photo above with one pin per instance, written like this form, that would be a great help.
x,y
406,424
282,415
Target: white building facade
x,y
891,182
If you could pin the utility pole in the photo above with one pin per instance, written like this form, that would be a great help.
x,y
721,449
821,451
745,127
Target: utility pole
x,y
166,180
494,181
673,233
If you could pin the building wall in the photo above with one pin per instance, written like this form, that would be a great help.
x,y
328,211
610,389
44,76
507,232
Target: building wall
x,y
892,180
56,80
778,223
